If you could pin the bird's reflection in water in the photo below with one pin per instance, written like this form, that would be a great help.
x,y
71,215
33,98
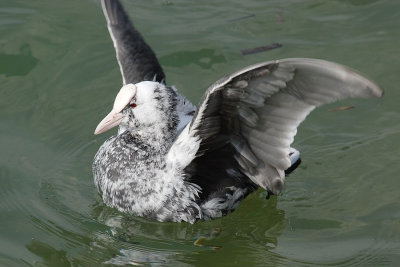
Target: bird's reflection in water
x,y
144,241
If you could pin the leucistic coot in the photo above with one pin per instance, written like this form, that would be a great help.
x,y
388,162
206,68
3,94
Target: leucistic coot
x,y
171,161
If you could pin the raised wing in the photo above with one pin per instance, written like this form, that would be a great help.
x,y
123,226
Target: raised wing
x,y
258,109
136,59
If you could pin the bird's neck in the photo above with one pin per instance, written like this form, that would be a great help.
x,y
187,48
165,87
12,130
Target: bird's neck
x,y
154,138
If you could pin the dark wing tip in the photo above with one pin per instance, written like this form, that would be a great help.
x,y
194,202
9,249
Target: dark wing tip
x,y
137,60
113,12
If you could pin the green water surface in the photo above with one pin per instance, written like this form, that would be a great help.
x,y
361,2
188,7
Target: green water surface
x,y
59,77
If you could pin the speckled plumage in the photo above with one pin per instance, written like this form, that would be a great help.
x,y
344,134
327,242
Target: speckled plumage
x,y
132,170
171,162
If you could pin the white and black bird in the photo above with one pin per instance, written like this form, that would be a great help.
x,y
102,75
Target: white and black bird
x,y
173,162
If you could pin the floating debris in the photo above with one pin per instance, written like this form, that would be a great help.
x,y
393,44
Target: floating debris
x,y
200,241
260,49
341,108
242,18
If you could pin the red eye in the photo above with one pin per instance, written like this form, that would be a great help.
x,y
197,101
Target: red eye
x,y
133,105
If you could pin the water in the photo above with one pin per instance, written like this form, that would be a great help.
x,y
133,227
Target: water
x,y
59,77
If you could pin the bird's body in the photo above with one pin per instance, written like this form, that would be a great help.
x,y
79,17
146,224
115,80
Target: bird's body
x,y
171,162
135,173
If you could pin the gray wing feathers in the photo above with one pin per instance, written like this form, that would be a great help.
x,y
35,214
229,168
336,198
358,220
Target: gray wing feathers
x,y
136,59
260,107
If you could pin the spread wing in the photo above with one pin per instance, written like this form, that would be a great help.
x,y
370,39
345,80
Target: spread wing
x,y
258,109
136,59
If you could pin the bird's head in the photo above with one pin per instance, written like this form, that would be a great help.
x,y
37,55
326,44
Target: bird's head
x,y
137,106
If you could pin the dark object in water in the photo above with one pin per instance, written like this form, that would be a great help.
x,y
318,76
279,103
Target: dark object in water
x,y
242,18
260,49
341,108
